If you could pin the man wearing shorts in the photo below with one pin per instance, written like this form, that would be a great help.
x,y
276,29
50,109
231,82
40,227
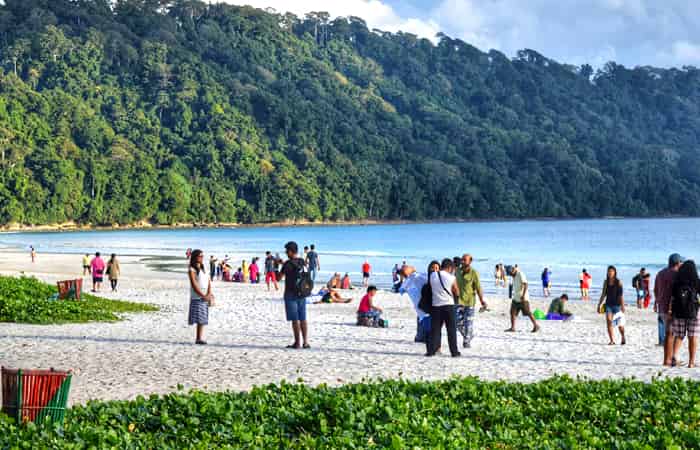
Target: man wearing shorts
x,y
521,300
97,267
294,307
365,273
270,273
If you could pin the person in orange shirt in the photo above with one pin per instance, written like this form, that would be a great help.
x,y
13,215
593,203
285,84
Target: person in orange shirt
x,y
585,282
365,273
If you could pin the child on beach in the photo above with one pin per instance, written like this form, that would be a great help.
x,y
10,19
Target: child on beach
x,y
86,264
201,297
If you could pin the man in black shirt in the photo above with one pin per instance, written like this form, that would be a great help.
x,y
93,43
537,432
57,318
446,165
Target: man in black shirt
x,y
295,308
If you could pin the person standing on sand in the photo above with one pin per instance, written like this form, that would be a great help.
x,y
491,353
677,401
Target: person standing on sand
x,y
254,271
97,267
469,287
32,253
212,267
366,268
684,308
86,264
445,289
585,283
546,282
521,300
201,297
613,295
313,262
245,269
113,272
295,308
412,286
663,288
270,275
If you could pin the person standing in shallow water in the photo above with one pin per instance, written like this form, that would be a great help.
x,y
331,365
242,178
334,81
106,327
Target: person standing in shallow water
x,y
613,296
201,297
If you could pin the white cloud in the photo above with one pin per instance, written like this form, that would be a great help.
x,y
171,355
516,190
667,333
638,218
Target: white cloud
x,y
376,13
630,32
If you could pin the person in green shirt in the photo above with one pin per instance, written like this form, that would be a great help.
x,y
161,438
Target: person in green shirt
x,y
469,288
558,306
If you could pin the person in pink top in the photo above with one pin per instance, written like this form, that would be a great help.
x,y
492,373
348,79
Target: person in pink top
x,y
97,267
253,270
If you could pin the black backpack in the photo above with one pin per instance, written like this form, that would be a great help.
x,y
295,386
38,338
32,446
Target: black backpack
x,y
635,281
684,302
304,284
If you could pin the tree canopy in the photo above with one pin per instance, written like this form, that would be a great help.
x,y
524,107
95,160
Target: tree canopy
x,y
181,111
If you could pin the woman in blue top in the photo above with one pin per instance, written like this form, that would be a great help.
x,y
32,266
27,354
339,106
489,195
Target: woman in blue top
x,y
546,283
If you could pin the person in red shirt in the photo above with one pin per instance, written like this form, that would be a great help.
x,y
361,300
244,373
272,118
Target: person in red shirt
x,y
365,273
368,313
585,282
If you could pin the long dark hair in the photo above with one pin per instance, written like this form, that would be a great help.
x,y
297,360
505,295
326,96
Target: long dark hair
x,y
432,263
688,275
607,277
193,260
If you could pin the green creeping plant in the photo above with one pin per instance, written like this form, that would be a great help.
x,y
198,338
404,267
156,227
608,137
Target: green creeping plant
x,y
558,413
27,300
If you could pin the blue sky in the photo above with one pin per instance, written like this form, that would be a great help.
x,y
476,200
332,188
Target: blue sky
x,y
631,32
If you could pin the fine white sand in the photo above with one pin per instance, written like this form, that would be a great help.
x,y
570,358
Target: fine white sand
x,y
247,332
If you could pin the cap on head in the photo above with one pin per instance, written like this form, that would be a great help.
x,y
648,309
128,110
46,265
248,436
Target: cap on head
x,y
674,259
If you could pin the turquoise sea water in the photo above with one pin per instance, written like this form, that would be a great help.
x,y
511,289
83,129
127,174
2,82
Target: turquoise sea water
x,y
565,247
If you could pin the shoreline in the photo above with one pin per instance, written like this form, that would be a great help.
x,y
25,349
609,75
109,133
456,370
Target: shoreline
x,y
144,225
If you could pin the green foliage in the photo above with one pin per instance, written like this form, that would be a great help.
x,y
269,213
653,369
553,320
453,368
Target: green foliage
x,y
26,300
459,413
182,111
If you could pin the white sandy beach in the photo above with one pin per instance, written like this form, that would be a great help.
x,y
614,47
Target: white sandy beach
x,y
247,332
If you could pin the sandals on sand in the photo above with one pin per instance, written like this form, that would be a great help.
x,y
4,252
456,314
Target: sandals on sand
x,y
510,330
295,346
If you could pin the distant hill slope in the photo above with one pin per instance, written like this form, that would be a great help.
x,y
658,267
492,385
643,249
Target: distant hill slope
x,y
177,111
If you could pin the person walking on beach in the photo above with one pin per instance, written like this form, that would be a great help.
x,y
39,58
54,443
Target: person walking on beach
x,y
685,308
294,303
32,253
113,272
270,276
585,283
614,299
212,267
469,287
444,289
97,267
201,297
366,268
313,262
86,264
412,286
546,282
521,300
663,288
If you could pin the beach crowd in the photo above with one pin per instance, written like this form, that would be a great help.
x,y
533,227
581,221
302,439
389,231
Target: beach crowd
x,y
445,295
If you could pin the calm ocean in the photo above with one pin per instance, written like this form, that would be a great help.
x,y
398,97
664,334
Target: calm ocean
x,y
565,247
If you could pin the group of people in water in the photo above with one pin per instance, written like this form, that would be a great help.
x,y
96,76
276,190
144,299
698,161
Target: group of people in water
x,y
446,295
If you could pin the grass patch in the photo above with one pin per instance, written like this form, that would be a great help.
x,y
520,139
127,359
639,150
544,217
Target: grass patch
x,y
458,413
26,300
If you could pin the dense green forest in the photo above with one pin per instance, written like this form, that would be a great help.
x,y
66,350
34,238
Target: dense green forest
x,y
181,111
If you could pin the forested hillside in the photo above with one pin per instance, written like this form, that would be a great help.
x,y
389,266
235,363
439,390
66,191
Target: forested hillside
x,y
180,111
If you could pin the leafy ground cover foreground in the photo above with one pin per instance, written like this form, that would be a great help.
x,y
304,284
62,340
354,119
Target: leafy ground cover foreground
x,y
458,413
26,300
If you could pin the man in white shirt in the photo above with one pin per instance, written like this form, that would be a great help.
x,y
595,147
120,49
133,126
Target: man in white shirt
x,y
445,289
521,300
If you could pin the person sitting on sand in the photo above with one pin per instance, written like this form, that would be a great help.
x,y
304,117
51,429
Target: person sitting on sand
x,y
557,309
345,283
334,282
330,296
238,276
369,314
